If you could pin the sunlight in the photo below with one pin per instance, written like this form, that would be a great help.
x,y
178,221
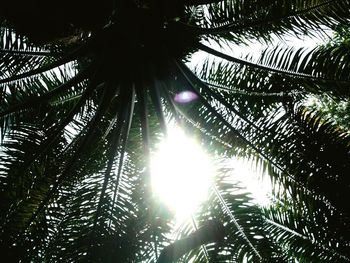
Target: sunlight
x,y
181,173
253,179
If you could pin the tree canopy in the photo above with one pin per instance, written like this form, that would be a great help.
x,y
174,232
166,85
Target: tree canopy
x,y
87,90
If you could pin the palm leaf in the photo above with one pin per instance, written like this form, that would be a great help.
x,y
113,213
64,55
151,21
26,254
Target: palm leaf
x,y
75,175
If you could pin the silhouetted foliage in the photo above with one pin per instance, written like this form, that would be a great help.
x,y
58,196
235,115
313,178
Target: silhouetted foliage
x,y
86,89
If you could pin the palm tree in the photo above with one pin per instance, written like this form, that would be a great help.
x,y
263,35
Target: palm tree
x,y
84,98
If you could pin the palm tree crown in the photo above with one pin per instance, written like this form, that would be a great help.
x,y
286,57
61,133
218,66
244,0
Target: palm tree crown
x,y
84,98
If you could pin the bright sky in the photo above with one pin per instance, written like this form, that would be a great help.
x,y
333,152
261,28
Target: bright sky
x,y
182,175
253,178
182,171
255,48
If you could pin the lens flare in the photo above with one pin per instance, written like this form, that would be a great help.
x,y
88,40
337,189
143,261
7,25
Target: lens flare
x,y
185,97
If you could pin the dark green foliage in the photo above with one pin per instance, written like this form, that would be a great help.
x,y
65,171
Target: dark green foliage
x,y
332,108
84,98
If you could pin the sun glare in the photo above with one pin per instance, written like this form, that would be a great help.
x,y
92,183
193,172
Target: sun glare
x,y
181,173
253,180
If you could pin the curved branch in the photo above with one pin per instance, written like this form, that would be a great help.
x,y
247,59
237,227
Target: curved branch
x,y
312,241
103,106
113,149
231,27
125,135
262,67
246,93
47,96
261,154
234,220
28,53
212,231
201,2
70,57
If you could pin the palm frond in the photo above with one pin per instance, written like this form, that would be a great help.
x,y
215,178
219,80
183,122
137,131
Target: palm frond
x,y
80,120
254,19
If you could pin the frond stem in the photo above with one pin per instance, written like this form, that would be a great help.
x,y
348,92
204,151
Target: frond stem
x,y
234,220
47,96
104,103
233,130
259,66
234,27
28,53
67,59
125,136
